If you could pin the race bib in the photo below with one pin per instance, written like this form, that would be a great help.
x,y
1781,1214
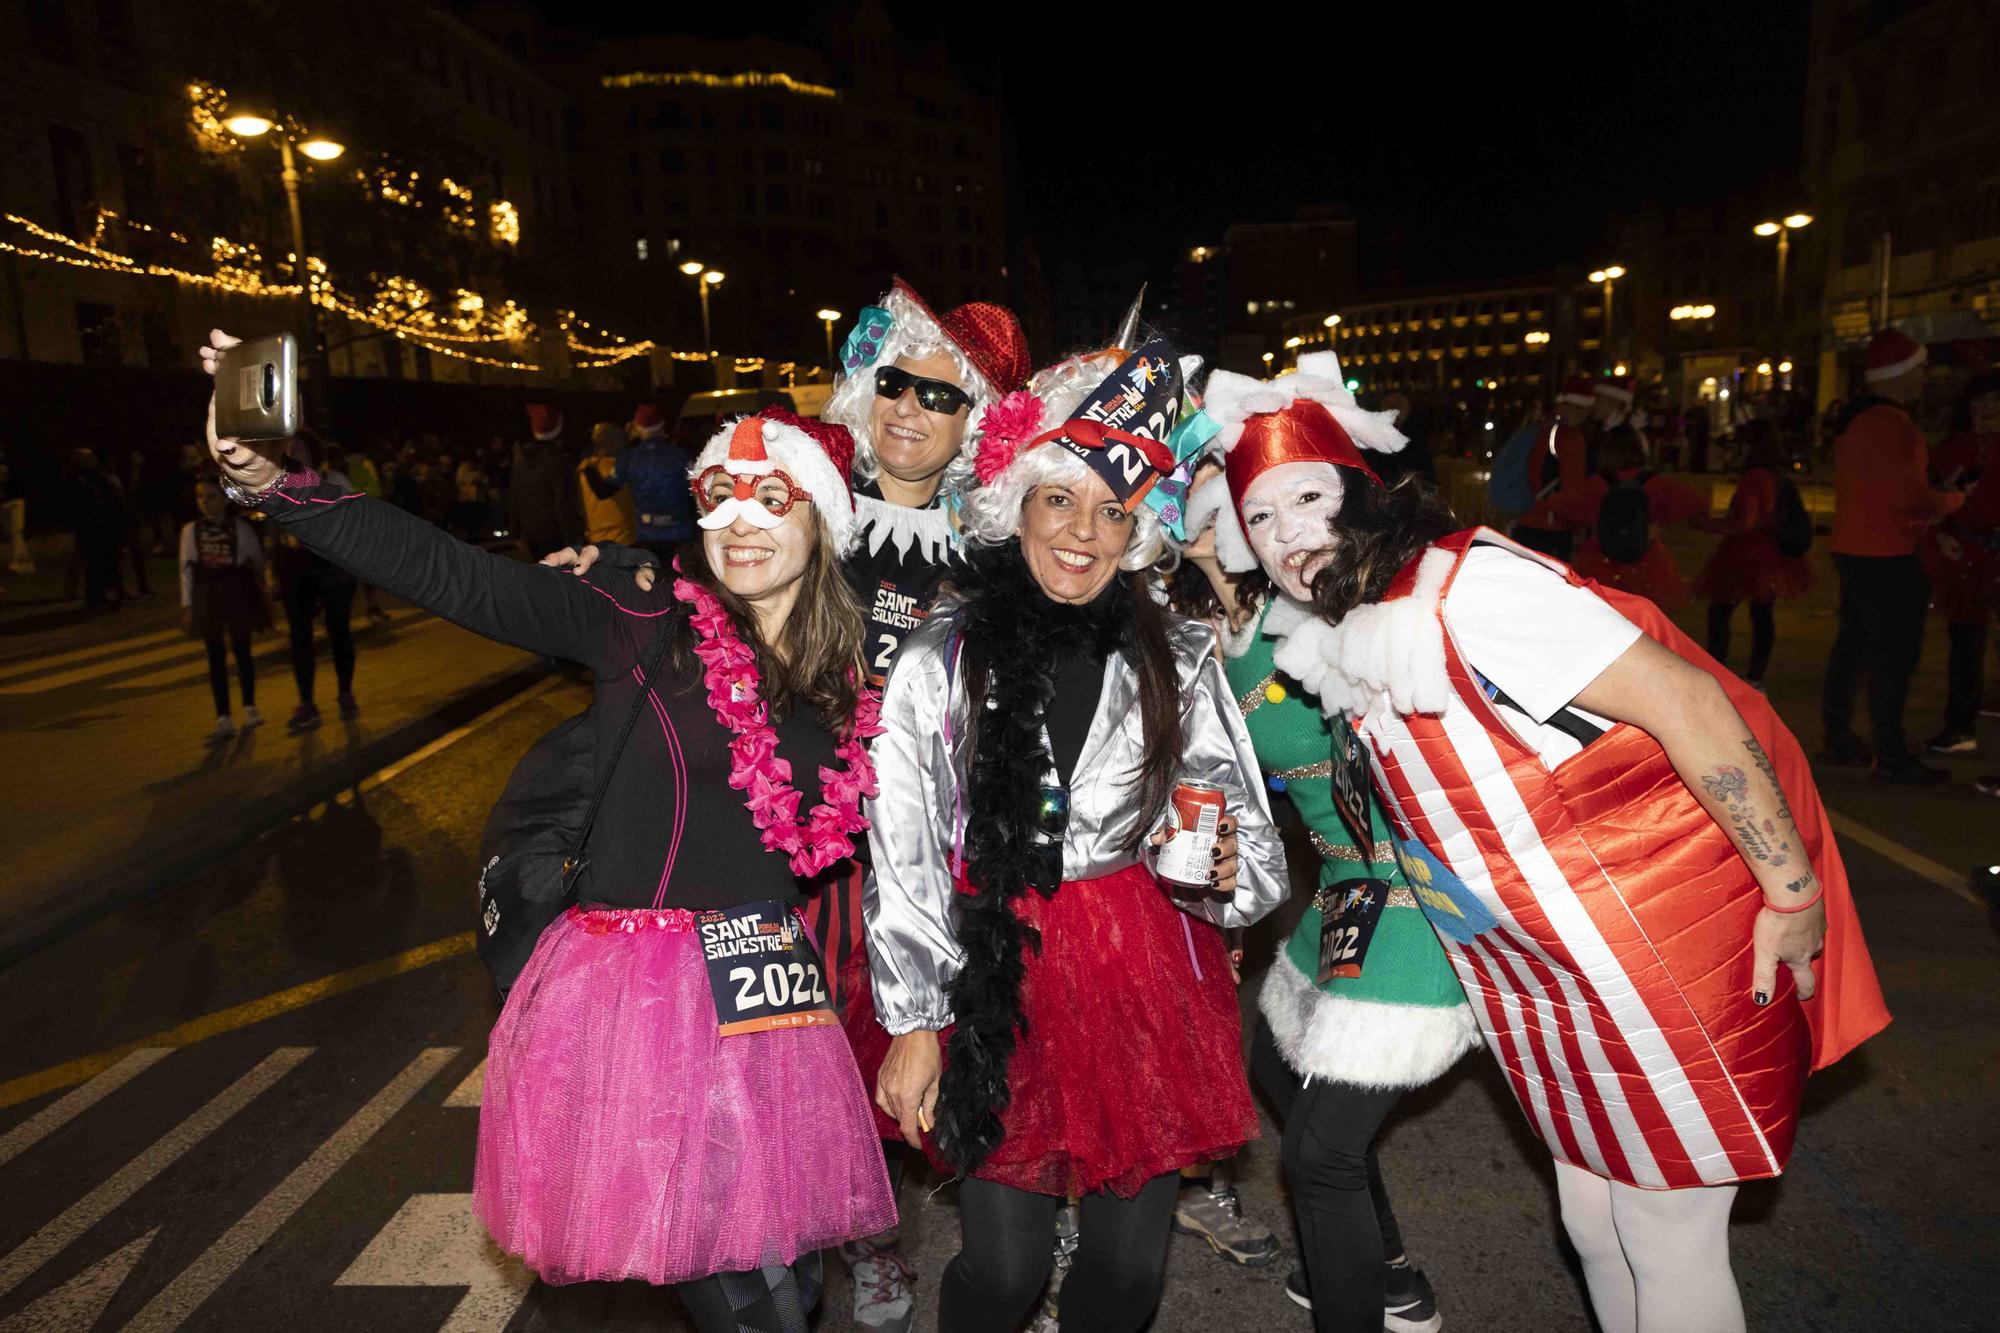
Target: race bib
x,y
1351,788
1349,912
762,969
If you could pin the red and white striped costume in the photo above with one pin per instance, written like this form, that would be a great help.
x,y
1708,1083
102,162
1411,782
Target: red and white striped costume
x,y
1599,919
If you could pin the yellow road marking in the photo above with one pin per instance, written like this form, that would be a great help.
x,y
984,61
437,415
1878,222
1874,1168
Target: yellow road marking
x,y
30,1086
1914,862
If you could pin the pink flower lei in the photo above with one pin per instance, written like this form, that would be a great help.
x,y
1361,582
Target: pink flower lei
x,y
826,834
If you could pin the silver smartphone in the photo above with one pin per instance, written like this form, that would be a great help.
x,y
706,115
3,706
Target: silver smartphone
x,y
257,389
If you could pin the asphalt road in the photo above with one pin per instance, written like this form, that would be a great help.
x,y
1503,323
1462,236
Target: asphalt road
x,y
250,1103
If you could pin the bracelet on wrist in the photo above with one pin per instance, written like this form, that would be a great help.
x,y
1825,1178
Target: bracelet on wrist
x,y
1787,911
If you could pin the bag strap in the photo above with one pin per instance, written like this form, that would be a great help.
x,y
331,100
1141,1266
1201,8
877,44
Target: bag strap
x,y
574,863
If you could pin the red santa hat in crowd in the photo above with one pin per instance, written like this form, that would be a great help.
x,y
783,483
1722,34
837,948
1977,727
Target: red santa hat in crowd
x,y
648,422
1617,389
1578,391
545,422
818,456
983,339
1309,416
1893,352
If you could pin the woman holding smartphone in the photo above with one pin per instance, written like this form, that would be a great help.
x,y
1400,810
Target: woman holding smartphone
x,y
669,1096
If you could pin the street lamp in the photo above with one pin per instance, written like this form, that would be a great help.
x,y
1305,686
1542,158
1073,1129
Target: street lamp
x,y
1607,277
827,316
1269,357
704,278
248,125
1331,321
1783,231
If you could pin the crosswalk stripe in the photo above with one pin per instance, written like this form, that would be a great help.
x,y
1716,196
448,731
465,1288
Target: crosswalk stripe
x,y
41,682
38,662
197,668
29,1086
77,1305
472,1092
57,1114
200,1280
434,1241
95,1206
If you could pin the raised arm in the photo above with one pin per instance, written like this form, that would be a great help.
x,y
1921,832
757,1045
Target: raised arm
x,y
530,607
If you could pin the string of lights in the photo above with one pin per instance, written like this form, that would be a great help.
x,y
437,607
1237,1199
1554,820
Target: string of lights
x,y
748,79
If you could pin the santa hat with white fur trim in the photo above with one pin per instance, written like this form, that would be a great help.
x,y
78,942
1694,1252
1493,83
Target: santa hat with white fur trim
x,y
1893,352
1309,416
817,455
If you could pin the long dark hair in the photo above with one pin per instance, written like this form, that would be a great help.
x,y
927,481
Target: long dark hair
x,y
1190,593
822,662
1377,532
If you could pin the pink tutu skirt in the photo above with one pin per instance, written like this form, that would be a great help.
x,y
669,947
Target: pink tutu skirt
x,y
622,1137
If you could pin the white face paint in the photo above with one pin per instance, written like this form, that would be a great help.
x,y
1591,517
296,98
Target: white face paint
x,y
1287,515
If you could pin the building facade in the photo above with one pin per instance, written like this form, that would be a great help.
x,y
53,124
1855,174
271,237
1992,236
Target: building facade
x,y
1902,157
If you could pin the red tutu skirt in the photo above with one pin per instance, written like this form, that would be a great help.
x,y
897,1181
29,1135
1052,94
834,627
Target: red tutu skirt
x,y
1654,577
1748,567
1131,1064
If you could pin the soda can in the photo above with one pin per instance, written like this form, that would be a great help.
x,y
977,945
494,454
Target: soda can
x,y
1194,816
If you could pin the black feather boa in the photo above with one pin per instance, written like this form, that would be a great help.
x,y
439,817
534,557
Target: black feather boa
x,y
1017,639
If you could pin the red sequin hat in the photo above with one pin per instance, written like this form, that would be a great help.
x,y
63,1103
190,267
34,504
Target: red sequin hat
x,y
988,334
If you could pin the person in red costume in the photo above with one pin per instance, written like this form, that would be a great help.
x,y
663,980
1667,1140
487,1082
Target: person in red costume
x,y
1882,505
1606,504
1959,556
1747,566
1556,465
1621,849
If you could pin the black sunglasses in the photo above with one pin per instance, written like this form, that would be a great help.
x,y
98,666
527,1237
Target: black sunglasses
x,y
932,395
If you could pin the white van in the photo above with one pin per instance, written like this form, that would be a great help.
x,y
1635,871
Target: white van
x,y
703,412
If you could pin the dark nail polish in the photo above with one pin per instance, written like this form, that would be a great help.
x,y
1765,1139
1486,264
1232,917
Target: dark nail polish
x,y
1215,855
1762,998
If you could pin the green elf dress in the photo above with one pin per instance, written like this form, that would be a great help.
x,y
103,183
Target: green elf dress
x,y
1404,1020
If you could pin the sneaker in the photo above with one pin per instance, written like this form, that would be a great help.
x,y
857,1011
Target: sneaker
x,y
251,717
883,1301
349,710
1408,1303
1910,773
222,730
1069,1227
1987,785
304,718
1295,1289
1216,1215
1952,742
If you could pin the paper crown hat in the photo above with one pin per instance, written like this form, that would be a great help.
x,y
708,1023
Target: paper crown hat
x,y
1309,416
1121,429
817,455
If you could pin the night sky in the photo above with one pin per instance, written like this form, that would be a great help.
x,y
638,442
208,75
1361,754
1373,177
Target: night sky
x,y
1466,146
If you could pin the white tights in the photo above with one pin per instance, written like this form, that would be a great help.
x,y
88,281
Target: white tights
x,y
1656,1261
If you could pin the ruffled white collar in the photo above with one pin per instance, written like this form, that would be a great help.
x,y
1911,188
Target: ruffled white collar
x,y
1385,653
928,529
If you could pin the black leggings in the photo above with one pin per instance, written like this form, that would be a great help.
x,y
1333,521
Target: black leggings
x,y
218,671
1347,1231
307,592
1763,635
777,1299
1008,1247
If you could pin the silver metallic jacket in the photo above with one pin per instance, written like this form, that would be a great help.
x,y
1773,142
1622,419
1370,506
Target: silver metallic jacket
x,y
910,902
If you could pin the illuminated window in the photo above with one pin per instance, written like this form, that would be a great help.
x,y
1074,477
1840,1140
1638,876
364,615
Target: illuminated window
x,y
641,248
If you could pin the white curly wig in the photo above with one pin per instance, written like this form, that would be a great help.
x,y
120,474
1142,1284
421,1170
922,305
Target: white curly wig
x,y
991,514
912,333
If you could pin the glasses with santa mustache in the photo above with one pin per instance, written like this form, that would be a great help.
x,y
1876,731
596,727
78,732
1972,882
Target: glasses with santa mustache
x,y
764,499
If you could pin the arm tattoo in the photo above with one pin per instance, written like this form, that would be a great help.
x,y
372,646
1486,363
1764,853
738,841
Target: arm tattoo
x,y
1759,838
1801,884
1764,766
1727,784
